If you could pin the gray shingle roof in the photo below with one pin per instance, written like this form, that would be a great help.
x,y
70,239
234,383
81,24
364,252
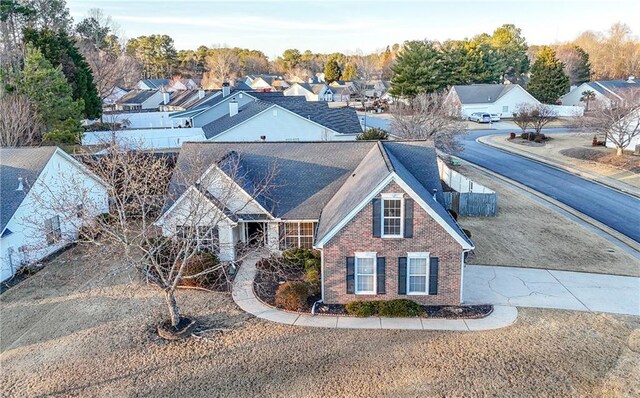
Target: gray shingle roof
x,y
25,162
618,87
482,93
156,83
319,180
226,122
136,96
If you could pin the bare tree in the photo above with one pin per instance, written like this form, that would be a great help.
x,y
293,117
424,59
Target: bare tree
x,y
366,71
164,246
19,124
522,117
618,121
541,115
223,65
429,116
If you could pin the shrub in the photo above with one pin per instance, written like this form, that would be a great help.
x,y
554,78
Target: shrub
x,y
399,308
292,296
312,277
362,308
373,133
524,136
300,256
538,140
512,136
312,264
199,263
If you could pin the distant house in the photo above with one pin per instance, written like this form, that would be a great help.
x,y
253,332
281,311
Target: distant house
x,y
266,82
32,225
376,88
374,210
312,92
341,93
503,99
606,91
110,100
186,99
136,100
152,84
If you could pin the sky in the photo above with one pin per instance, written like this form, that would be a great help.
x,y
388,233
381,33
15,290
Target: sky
x,y
349,26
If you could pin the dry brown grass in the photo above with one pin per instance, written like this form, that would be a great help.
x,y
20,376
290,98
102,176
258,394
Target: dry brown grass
x,y
605,156
92,337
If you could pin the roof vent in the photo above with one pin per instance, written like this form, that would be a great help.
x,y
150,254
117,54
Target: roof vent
x,y
20,184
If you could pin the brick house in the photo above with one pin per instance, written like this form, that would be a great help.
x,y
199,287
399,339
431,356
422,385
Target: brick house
x,y
373,209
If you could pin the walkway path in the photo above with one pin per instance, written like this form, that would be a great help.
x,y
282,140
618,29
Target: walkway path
x,y
243,295
541,288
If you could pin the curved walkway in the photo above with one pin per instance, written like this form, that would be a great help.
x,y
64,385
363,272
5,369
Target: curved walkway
x,y
245,298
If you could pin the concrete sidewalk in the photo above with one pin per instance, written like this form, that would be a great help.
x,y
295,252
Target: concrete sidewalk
x,y
599,178
245,298
541,288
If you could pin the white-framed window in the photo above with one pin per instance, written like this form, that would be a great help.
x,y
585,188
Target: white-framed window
x,y
365,272
392,215
53,230
505,109
299,234
205,236
417,273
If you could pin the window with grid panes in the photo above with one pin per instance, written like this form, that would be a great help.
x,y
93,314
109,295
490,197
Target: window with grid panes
x,y
392,217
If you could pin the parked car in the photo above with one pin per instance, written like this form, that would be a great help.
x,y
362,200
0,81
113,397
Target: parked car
x,y
480,117
495,117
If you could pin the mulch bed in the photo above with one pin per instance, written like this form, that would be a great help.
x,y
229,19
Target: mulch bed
x,y
266,284
605,156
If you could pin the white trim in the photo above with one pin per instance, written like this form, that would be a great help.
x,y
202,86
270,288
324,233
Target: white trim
x,y
181,198
418,255
392,196
365,255
355,211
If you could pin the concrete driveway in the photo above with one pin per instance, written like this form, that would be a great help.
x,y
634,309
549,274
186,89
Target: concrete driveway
x,y
530,287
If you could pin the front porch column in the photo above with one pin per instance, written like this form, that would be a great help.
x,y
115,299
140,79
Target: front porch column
x,y
227,240
273,237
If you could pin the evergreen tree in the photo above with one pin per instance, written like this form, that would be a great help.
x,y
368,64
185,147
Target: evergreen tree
x,y
582,68
47,87
548,78
59,49
332,71
418,69
350,72
482,63
512,48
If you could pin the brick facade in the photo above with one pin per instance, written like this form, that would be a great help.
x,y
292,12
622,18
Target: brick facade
x,y
357,236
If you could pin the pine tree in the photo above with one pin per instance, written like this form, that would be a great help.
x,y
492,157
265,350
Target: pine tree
x,y
548,78
332,71
47,87
582,69
418,69
59,49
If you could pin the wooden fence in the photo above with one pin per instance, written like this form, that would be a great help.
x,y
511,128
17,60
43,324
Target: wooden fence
x,y
472,204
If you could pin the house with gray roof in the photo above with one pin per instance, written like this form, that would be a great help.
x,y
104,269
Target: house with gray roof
x,y
37,184
501,99
607,92
312,92
373,208
153,84
137,100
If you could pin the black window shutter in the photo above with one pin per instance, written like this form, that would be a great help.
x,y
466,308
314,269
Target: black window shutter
x,y
402,275
377,217
408,218
433,275
381,276
351,275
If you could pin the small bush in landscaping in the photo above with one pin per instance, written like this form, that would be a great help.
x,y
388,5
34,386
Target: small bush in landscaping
x,y
399,308
362,308
312,264
292,296
300,256
512,136
201,262
524,136
312,277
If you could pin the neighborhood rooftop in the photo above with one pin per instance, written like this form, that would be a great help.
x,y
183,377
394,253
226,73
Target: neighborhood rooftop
x,y
482,93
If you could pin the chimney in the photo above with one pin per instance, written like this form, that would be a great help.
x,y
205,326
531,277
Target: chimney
x,y
226,90
435,191
20,185
166,97
233,107
200,94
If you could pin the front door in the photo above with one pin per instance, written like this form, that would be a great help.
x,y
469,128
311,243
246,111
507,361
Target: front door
x,y
256,234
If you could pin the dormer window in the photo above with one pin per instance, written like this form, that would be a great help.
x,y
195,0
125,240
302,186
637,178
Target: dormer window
x,y
392,215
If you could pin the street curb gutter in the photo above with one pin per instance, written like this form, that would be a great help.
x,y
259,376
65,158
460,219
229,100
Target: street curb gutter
x,y
548,162
617,236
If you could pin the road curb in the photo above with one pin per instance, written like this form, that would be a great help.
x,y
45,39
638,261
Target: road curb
x,y
615,235
547,162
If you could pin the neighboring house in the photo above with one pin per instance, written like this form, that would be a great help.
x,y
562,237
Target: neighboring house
x,y
136,100
266,82
186,99
234,115
32,225
182,84
373,209
341,93
152,84
376,88
312,92
117,92
606,91
503,99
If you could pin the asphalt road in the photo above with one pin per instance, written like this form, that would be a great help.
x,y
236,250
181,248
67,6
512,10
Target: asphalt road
x,y
609,206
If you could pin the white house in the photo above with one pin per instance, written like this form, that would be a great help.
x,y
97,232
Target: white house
x,y
312,92
632,127
490,98
266,82
152,84
136,100
115,94
605,91
38,186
